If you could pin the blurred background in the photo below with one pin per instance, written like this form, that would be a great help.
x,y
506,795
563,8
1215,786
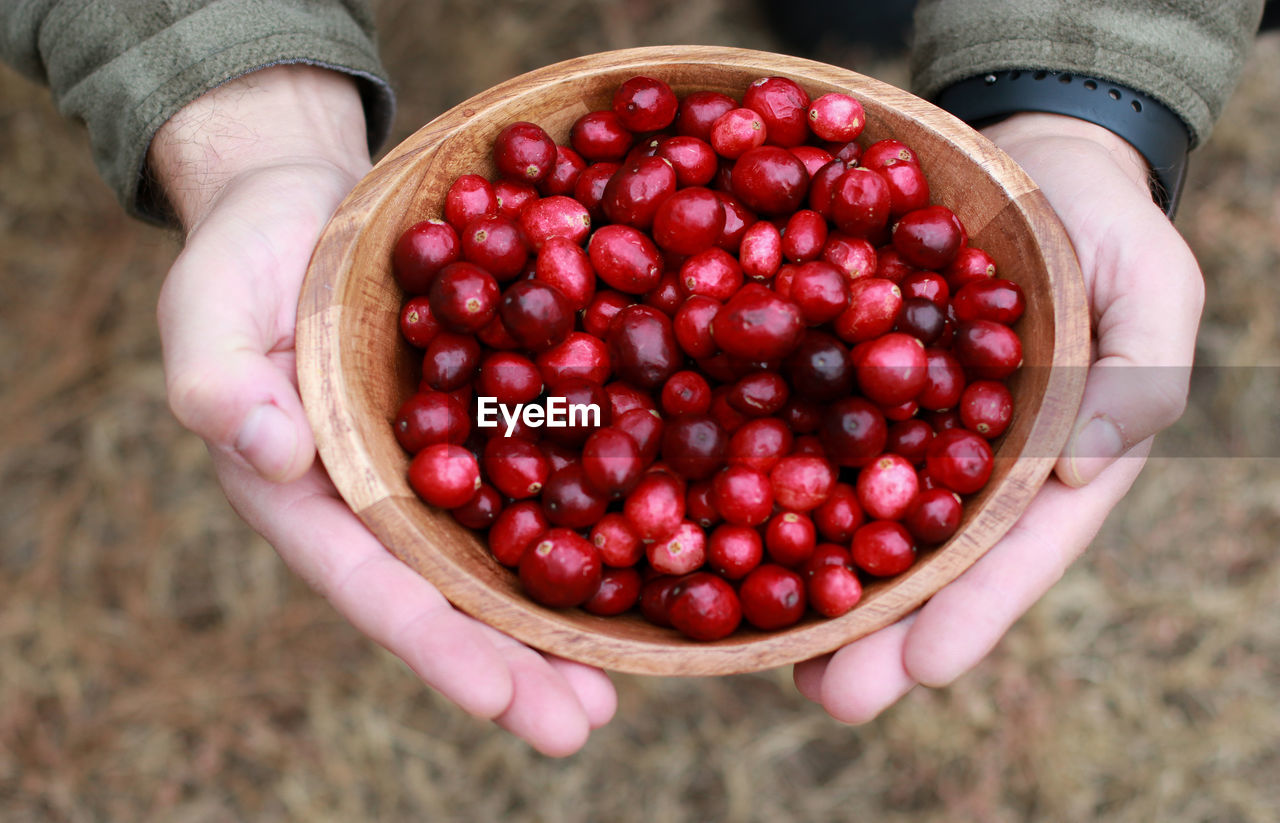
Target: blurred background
x,y
158,663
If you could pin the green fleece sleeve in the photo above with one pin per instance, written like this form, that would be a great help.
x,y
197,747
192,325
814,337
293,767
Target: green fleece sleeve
x,y
1185,53
124,67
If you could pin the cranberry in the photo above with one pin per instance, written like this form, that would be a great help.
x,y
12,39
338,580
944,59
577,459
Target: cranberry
x,y
536,314
770,180
585,406
689,221
618,591
921,318
417,324
960,460
571,501
819,368
518,525
601,311
928,238
874,305
632,196
820,291
611,461
686,392
836,116
642,346
617,542
694,445
589,190
655,508
839,515
757,324
887,487
645,104
694,160
991,298
833,591
450,361
600,135
783,105
986,407
969,264
822,185
883,548
564,264
988,349
826,554
513,196
698,505
891,266
909,438
497,245
737,132
855,256
578,355
760,252
710,273
772,597
681,552
699,110
934,517
444,475
908,188
860,202
853,431
555,216
944,380
655,598
645,427
517,467
887,152
510,377
813,157
560,569
481,511
469,197
802,416
564,175
705,607
804,236
463,297
892,369
759,444
927,284
789,538
737,219
743,495
421,251
666,296
524,152
801,482
733,550
430,417
625,259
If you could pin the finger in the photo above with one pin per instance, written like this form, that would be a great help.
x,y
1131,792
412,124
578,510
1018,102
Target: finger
x,y
323,542
593,688
544,710
962,623
867,676
1147,293
808,674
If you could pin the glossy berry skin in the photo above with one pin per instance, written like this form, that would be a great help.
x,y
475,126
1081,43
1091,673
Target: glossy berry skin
x,y
611,462
790,538
481,511
617,542
681,552
853,431
685,392
463,297
734,550
908,188
737,132
760,252
987,349
694,445
874,305
960,460
986,408
759,394
935,516
712,273
772,597
469,196
820,291
833,591
645,427
704,607
770,180
417,325
783,105
516,467
524,152
887,487
444,475
586,407
554,216
569,500
699,110
756,324
801,482
694,160
633,195
601,136
892,369
428,418
883,548
836,116
516,526
742,495
759,444
991,298
860,203
928,238
618,592
421,252
510,377
625,259
561,569
645,104
450,361
497,245
839,516
578,355
535,314
688,221
642,347
655,508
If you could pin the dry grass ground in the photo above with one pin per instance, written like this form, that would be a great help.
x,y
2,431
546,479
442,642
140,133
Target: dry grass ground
x,y
158,663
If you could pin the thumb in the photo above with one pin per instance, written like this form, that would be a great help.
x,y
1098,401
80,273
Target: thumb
x,y
226,316
1147,298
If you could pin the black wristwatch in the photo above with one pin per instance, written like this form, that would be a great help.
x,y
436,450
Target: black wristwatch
x,y
1151,127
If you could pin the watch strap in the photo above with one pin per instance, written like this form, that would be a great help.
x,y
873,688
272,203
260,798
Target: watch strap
x,y
1150,126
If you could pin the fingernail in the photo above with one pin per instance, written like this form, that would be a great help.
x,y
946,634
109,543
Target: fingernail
x,y
1097,445
267,440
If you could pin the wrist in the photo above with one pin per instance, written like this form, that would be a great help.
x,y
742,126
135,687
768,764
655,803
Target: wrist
x,y
281,115
1063,129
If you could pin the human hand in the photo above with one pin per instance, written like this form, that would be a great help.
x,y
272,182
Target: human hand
x,y
1146,293
253,170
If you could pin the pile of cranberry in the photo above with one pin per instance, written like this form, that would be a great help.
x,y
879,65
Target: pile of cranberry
x,y
798,360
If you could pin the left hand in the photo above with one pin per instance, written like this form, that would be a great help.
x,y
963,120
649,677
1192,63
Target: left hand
x,y
1146,294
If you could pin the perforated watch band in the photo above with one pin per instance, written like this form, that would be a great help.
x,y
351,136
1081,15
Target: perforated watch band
x,y
1151,127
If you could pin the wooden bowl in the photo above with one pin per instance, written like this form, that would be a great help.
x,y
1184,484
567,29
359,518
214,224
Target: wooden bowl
x,y
355,370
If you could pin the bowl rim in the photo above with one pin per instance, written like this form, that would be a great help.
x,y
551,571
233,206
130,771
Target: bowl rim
x,y
324,385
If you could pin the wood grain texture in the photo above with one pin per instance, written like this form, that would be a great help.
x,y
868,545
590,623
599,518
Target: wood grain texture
x,y
354,370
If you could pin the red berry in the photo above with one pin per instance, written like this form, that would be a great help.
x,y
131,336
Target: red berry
x,y
417,324
756,324
935,516
560,569
421,252
986,407
853,431
611,461
699,110
736,132
960,460
681,552
892,369
790,538
686,392
883,548
694,445
734,550
783,105
625,259
518,525
537,315
839,515
801,482
642,347
444,475
571,501
887,487
617,542
929,237
600,135
770,180
742,495
705,607
516,467
645,104
619,590
836,116
555,216
772,597
470,196
428,418
655,508
833,590
524,152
